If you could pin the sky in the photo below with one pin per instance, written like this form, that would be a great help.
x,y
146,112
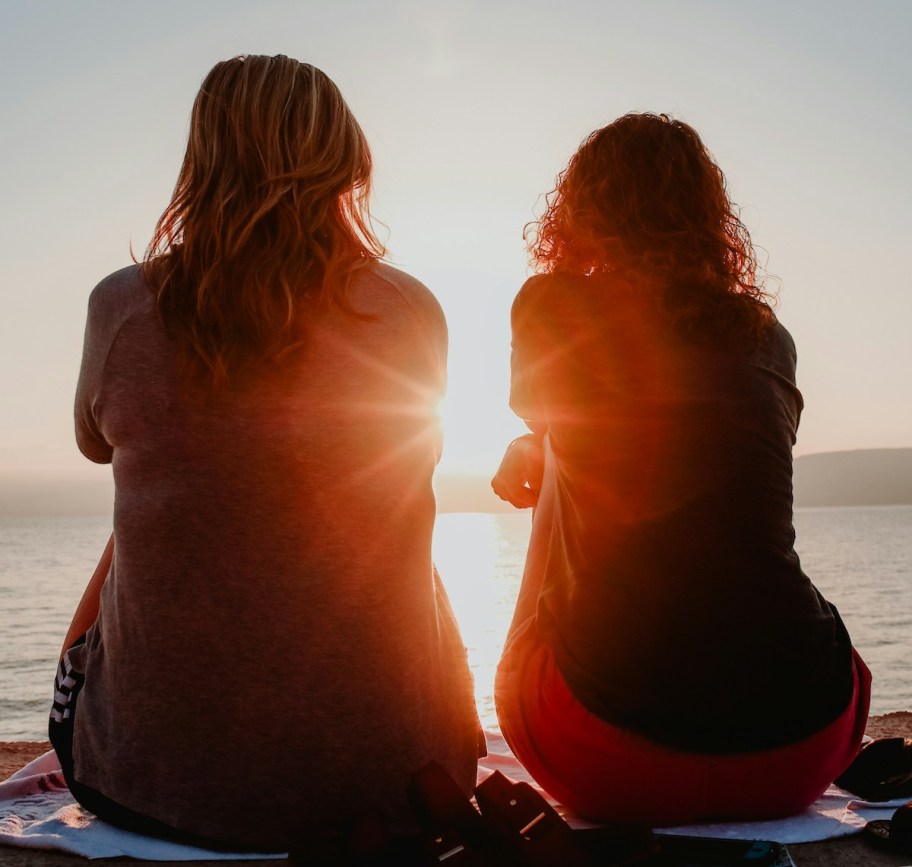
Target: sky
x,y
471,109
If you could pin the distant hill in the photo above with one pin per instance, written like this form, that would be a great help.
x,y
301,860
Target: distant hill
x,y
22,495
467,493
865,477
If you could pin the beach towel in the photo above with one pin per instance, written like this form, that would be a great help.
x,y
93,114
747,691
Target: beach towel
x,y
836,813
37,811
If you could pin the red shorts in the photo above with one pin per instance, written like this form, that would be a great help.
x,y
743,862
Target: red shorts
x,y
613,775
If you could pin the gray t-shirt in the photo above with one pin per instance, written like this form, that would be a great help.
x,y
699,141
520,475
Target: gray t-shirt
x,y
273,651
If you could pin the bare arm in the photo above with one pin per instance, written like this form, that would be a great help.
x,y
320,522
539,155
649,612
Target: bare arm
x,y
534,572
518,479
87,610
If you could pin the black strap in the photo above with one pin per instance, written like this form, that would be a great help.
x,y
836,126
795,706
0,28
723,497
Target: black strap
x,y
515,828
529,824
455,832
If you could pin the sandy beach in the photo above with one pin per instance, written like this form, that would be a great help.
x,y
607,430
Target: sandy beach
x,y
841,852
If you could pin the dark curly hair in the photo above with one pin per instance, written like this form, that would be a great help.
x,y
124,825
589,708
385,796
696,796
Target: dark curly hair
x,y
643,198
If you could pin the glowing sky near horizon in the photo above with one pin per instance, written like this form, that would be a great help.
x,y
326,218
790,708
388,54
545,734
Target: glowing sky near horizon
x,y
471,109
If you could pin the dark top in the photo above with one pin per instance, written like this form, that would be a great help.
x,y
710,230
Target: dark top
x,y
671,591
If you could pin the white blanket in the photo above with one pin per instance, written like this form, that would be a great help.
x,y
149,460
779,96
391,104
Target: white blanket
x,y
836,813
37,811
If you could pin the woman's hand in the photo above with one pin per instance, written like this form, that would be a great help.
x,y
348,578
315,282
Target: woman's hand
x,y
519,477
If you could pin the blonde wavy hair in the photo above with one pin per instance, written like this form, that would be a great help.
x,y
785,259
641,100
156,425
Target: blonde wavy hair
x,y
269,219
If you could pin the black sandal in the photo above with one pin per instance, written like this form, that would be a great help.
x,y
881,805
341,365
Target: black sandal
x,y
894,834
881,771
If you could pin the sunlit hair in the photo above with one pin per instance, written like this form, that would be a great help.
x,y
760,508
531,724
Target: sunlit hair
x,y
644,199
269,218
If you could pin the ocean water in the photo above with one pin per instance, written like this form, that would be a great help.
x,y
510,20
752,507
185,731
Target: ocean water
x,y
860,558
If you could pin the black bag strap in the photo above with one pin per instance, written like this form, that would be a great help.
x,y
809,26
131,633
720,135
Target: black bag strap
x,y
455,832
529,824
516,827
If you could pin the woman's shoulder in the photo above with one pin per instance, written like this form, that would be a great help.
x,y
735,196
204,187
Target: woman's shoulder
x,y
411,291
545,297
781,337
538,287
119,297
120,293
541,288
777,348
400,280
534,293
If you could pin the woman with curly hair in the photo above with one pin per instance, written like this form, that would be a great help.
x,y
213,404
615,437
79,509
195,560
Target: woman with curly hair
x,y
668,661
265,653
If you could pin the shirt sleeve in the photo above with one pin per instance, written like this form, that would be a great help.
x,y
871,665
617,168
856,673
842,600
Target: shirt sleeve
x,y
524,400
111,303
427,366
440,343
89,437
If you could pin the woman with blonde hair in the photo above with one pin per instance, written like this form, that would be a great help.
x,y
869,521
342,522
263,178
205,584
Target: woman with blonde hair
x,y
265,653
668,661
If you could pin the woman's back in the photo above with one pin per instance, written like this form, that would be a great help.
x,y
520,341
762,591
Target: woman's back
x,y
666,645
672,594
271,625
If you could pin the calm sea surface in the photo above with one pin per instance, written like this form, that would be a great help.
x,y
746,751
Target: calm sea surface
x,y
860,558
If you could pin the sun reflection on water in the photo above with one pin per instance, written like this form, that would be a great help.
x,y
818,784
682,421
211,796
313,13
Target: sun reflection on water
x,y
480,558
